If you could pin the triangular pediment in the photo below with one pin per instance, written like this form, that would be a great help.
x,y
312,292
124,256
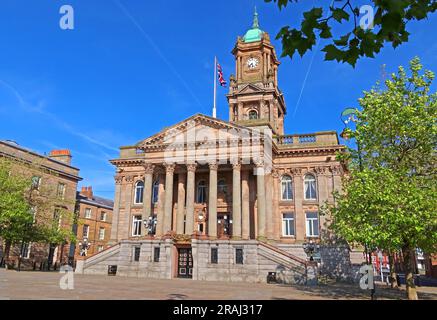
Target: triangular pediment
x,y
250,88
201,125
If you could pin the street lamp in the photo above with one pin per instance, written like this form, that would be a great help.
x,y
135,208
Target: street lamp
x,y
84,247
310,248
150,225
227,225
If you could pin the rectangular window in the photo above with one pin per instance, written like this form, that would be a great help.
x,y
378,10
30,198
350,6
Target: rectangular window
x,y
136,226
156,253
288,224
103,216
61,191
239,256
87,213
26,251
137,252
214,255
36,182
86,231
57,217
312,224
102,234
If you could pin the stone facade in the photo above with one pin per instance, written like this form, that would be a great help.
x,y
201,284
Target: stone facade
x,y
240,184
56,184
95,220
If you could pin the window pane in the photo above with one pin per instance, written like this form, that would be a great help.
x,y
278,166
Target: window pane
x,y
311,215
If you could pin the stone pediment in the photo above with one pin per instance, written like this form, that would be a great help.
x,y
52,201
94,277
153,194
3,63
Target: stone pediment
x,y
204,127
249,89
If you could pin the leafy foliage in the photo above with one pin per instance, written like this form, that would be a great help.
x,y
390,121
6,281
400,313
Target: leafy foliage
x,y
28,214
389,27
390,194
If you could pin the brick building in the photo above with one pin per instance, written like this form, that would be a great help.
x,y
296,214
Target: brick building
x,y
210,199
54,181
94,222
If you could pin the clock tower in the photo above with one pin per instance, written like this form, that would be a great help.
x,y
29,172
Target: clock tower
x,y
254,97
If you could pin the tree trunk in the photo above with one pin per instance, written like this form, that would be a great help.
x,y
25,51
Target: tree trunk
x,y
409,278
391,261
7,249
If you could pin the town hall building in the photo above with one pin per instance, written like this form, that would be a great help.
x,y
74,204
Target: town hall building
x,y
210,199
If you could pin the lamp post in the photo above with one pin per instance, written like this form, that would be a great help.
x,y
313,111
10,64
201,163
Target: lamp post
x,y
84,246
347,116
227,225
310,248
150,225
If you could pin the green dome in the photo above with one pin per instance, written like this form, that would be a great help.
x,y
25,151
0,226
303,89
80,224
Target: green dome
x,y
254,34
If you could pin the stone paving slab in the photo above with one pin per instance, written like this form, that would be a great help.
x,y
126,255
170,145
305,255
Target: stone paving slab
x,y
43,285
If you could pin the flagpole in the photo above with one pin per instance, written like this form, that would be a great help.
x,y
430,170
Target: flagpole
x,y
214,110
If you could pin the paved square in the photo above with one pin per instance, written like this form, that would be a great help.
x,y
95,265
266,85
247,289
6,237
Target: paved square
x,y
40,285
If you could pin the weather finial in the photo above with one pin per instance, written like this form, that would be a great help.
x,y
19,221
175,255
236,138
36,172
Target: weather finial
x,y
255,20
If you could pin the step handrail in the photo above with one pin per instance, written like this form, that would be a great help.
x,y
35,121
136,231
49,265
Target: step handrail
x,y
284,253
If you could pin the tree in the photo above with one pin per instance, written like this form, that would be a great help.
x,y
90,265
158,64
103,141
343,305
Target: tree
x,y
15,213
29,213
390,193
367,35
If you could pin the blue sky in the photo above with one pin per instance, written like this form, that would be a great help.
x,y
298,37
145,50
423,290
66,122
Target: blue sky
x,y
131,67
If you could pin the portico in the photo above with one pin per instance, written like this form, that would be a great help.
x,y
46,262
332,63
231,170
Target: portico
x,y
182,202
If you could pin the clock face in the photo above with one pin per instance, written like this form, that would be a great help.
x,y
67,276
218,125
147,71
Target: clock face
x,y
252,63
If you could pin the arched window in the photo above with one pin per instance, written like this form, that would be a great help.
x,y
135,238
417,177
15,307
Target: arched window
x,y
253,115
222,186
287,188
201,192
155,192
139,192
310,187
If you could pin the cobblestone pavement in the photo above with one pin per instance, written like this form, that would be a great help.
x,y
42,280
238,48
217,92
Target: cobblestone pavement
x,y
39,285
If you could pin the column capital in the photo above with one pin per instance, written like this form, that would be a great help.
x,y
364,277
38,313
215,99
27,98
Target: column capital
x,y
275,174
191,167
213,166
149,168
169,167
337,170
321,170
236,166
259,163
129,179
119,179
296,172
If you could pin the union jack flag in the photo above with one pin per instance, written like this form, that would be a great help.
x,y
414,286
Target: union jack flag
x,y
221,78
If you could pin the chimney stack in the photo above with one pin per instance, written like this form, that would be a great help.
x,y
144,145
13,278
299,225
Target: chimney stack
x,y
87,192
61,155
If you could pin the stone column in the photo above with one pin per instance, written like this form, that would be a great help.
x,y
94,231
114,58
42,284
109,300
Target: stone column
x,y
160,217
299,214
126,221
181,203
168,204
245,208
277,219
269,206
212,203
236,200
191,180
116,211
147,195
261,201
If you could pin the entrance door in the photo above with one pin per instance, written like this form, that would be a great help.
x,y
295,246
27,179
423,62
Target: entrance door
x,y
185,263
